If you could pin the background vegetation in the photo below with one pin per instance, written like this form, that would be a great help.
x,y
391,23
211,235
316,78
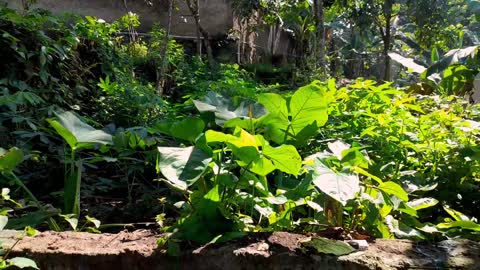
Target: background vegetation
x,y
94,123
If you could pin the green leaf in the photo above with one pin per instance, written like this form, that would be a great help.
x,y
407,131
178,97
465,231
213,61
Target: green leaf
x,y
188,129
328,246
72,220
458,216
308,105
94,221
285,158
10,159
401,230
29,231
394,189
3,222
182,167
306,111
422,203
340,186
32,219
407,62
65,133
468,225
225,110
261,166
22,262
276,122
77,133
451,57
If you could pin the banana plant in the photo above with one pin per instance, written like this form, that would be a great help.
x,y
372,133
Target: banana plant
x,y
78,135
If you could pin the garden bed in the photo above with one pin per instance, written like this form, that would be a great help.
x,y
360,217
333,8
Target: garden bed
x,y
138,250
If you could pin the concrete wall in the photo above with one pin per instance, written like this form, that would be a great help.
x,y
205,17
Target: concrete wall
x,y
216,15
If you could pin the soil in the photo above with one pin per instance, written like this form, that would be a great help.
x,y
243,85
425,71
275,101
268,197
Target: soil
x,y
280,250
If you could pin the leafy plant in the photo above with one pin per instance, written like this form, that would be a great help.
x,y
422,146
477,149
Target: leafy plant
x,y
8,161
18,262
78,135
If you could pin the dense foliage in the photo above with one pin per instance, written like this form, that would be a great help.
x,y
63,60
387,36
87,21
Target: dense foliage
x,y
98,126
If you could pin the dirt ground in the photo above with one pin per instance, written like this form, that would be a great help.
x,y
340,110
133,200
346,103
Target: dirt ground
x,y
281,250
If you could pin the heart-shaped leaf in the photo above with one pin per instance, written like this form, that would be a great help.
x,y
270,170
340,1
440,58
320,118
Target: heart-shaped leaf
x,y
77,133
340,186
182,166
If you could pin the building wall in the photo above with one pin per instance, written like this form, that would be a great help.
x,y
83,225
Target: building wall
x,y
216,15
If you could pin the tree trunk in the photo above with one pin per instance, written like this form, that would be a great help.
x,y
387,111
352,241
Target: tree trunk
x,y
160,83
387,38
319,46
194,9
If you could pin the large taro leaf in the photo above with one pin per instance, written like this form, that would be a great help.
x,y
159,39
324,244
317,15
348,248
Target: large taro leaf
x,y
225,109
77,133
394,189
182,167
285,158
10,159
340,186
328,246
407,62
207,221
452,57
276,122
308,105
297,119
187,129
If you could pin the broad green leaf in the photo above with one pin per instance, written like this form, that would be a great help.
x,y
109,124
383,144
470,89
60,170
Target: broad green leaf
x,y
62,131
94,221
340,186
297,121
276,122
3,221
337,148
329,246
22,262
32,219
182,166
262,166
77,133
469,225
458,216
308,105
285,158
213,136
451,57
401,230
422,203
275,104
225,110
407,62
188,129
72,220
315,206
10,159
353,157
394,189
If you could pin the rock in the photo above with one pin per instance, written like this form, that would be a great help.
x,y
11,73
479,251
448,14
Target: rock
x,y
279,250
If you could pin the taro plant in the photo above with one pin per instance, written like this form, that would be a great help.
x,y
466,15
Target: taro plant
x,y
375,166
78,135
239,180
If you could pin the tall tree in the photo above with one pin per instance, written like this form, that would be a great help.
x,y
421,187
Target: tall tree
x,y
194,8
319,42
